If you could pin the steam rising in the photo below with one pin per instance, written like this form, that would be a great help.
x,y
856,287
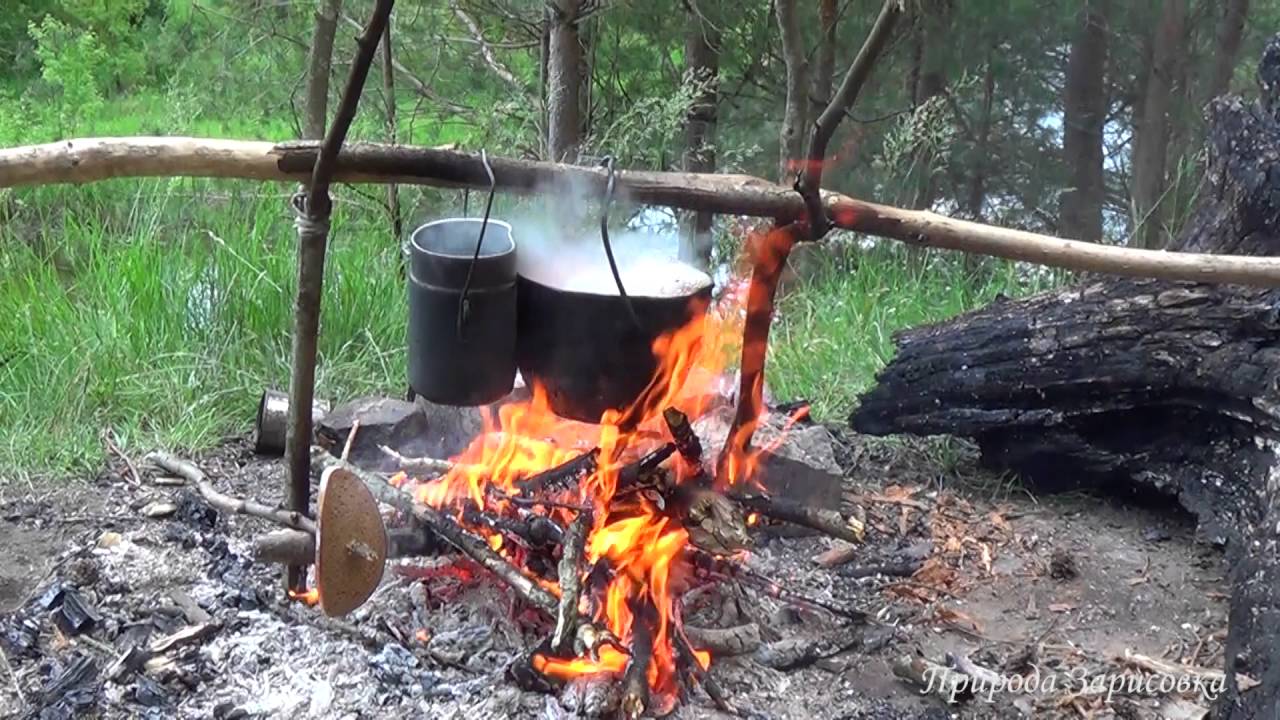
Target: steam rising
x,y
559,245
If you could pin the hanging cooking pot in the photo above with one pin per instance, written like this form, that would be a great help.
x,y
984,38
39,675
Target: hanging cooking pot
x,y
586,350
462,311
589,348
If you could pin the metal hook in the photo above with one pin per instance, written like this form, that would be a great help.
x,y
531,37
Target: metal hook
x,y
609,187
464,303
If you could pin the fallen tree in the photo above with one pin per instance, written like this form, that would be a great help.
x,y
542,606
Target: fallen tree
x,y
94,159
1140,385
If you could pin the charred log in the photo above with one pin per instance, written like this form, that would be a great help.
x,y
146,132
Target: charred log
x,y
1140,385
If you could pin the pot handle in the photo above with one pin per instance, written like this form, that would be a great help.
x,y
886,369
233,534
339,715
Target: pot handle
x,y
464,303
609,186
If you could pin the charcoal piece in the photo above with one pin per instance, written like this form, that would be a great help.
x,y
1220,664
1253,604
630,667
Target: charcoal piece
x,y
75,615
194,512
394,664
149,693
21,635
51,597
75,685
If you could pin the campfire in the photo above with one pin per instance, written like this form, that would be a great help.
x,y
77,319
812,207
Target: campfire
x,y
603,527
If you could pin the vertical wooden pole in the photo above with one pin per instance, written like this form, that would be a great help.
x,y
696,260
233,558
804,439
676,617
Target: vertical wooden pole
x,y
313,211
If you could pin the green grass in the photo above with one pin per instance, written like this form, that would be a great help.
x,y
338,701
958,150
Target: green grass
x,y
836,331
161,309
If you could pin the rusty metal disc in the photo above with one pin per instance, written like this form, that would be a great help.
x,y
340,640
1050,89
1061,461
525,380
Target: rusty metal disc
x,y
351,543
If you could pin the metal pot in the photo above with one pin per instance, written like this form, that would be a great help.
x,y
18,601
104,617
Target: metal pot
x,y
462,314
587,351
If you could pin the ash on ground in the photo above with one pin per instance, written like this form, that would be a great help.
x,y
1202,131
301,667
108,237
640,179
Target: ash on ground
x,y
956,562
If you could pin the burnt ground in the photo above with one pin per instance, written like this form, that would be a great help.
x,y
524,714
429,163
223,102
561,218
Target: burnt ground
x,y
1062,584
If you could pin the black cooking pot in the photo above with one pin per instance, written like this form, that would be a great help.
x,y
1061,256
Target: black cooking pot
x,y
586,350
462,332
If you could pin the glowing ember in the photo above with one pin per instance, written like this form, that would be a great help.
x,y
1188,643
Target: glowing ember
x,y
310,596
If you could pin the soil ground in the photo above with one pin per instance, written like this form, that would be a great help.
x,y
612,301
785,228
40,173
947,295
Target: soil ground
x,y
1064,584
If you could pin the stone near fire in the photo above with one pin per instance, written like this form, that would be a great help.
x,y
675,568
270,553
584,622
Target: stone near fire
x,y
382,421
802,467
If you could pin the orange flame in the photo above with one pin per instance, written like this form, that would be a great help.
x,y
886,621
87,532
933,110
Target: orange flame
x,y
640,544
310,596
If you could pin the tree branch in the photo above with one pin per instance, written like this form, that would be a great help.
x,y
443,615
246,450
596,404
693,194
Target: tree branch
x,y
829,120
86,160
485,51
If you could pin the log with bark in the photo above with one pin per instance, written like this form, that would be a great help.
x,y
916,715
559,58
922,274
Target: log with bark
x,y
1141,385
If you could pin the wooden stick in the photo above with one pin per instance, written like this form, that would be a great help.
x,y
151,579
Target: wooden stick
x,y
227,504
298,547
727,568
94,159
828,522
566,474
721,642
685,438
570,576
635,679
424,465
684,651
313,236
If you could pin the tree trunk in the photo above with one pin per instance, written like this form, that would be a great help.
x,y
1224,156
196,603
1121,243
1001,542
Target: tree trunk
x,y
1147,385
824,70
1084,105
702,65
544,63
976,194
935,25
564,82
1227,46
794,114
319,61
1151,135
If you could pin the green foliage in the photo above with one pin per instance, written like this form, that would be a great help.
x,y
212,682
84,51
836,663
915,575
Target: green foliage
x,y
72,64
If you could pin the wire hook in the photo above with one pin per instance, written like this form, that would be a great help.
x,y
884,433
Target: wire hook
x,y
609,187
464,302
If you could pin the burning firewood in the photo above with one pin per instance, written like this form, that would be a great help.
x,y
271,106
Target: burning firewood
x,y
635,683
686,440
588,635
566,475
570,581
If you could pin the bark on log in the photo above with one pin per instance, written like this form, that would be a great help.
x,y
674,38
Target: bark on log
x,y
1140,384
92,159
